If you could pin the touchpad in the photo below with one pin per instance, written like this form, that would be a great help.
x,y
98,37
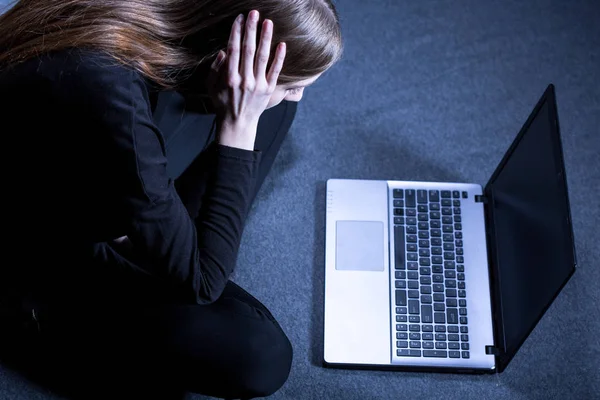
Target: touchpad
x,y
359,245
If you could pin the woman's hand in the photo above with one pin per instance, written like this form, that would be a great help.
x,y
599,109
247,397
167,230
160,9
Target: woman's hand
x,y
238,84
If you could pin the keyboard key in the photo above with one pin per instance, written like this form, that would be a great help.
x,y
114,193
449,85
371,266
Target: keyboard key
x,y
434,215
465,195
437,251
399,247
463,320
464,338
446,211
398,193
439,318
435,353
412,256
462,311
413,294
399,203
452,315
428,345
429,336
438,278
450,274
446,194
460,259
414,328
411,230
460,268
453,337
422,196
434,195
465,354
449,246
440,328
438,297
427,328
460,276
423,235
458,235
464,329
451,303
414,319
438,307
460,252
413,284
401,335
413,307
450,293
399,220
400,274
409,196
401,297
445,228
450,283
434,206
426,313
440,345
411,238
408,353
436,267
423,243
456,210
401,318
426,290
456,194
414,336
423,226
411,247
446,220
456,203
401,310
449,264
454,354
424,262
400,284
401,327
440,337
453,329
402,344
464,346
454,345
412,265
436,233
412,275
425,280
438,287
425,299
462,293
458,227
446,203
422,217
422,208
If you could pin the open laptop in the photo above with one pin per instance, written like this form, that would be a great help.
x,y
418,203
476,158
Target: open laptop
x,y
449,276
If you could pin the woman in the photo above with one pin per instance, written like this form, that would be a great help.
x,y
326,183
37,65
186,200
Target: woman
x,y
136,139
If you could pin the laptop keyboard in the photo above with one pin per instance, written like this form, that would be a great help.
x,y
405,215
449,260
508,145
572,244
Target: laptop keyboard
x,y
430,293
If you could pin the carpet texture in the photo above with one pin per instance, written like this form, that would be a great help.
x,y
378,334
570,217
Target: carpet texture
x,y
428,90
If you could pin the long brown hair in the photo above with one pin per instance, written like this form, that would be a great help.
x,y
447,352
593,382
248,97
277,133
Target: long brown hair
x,y
166,40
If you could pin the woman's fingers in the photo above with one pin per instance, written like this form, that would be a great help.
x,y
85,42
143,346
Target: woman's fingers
x,y
249,47
233,47
276,66
264,49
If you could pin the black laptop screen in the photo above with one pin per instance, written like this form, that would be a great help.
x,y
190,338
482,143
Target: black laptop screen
x,y
532,230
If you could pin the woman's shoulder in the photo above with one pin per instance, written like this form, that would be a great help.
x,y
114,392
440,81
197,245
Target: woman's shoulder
x,y
74,71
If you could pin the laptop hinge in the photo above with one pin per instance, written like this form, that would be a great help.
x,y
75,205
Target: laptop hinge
x,y
481,199
492,350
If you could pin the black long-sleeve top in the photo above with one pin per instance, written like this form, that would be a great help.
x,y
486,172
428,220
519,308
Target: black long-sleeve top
x,y
85,164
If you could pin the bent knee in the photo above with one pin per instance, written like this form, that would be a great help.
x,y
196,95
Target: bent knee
x,y
268,365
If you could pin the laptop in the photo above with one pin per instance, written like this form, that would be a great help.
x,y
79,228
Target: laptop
x,y
438,276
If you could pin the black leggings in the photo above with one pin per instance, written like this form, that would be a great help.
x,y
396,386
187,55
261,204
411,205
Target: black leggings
x,y
232,348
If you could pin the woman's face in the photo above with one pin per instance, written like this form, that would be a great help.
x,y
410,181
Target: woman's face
x,y
290,91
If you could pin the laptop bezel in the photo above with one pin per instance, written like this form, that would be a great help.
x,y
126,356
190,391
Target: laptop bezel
x,y
504,356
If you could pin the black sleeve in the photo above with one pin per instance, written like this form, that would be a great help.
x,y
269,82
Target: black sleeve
x,y
193,257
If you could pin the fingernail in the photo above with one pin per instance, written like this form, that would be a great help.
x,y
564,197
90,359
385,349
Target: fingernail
x,y
240,18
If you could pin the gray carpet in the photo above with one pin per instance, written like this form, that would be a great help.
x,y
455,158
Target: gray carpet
x,y
429,90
